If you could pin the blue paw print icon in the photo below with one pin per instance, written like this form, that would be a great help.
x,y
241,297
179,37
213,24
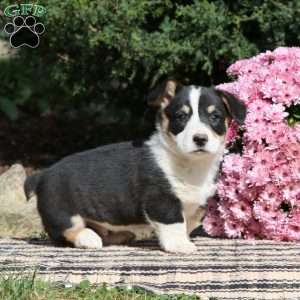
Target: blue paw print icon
x,y
24,32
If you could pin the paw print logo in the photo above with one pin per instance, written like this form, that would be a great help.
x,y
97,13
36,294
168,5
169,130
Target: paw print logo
x,y
24,32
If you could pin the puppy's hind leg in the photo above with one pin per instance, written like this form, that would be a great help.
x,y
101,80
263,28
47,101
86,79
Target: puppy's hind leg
x,y
80,236
109,237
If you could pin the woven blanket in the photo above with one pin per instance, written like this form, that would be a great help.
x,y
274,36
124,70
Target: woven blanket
x,y
222,269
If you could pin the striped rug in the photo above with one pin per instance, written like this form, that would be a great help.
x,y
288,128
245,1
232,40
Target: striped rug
x,y
220,269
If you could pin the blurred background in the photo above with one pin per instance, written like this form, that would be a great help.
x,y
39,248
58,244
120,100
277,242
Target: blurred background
x,y
85,84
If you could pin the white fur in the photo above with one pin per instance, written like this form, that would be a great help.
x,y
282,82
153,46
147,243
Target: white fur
x,y
77,222
191,175
174,238
89,239
184,139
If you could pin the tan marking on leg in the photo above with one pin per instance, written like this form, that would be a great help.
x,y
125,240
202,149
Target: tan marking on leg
x,y
97,226
77,225
110,237
80,236
195,221
113,235
119,238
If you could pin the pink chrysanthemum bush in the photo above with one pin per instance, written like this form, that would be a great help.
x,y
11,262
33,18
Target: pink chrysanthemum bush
x,y
259,188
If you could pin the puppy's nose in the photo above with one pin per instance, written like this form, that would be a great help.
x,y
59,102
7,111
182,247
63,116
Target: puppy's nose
x,y
200,139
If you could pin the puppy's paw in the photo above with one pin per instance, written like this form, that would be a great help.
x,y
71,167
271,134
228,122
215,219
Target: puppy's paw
x,y
88,239
179,246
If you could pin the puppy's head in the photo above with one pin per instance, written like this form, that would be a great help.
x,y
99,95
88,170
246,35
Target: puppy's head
x,y
195,119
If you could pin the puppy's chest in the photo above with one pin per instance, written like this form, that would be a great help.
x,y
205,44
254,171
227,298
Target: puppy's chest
x,y
190,194
194,188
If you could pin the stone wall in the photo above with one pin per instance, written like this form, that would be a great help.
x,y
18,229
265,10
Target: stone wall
x,y
18,217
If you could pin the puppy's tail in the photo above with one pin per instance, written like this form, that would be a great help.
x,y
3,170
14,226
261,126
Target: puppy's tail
x,y
31,184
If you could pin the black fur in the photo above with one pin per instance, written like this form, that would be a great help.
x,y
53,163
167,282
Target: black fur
x,y
115,184
209,96
159,90
216,119
177,118
235,108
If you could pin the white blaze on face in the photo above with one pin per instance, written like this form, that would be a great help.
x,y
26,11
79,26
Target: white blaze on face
x,y
195,126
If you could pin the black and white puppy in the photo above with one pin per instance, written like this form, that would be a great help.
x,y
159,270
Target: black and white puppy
x,y
104,195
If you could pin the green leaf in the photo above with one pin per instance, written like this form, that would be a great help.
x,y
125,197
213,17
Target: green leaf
x,y
296,116
9,108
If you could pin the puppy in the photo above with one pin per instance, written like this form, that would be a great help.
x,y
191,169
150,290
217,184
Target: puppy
x,y
107,194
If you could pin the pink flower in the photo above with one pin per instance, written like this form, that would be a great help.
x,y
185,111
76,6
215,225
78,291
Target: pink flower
x,y
214,226
241,210
232,131
233,229
252,230
259,188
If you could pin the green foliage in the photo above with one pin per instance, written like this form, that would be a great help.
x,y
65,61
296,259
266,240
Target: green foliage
x,y
15,87
29,288
294,115
22,86
104,55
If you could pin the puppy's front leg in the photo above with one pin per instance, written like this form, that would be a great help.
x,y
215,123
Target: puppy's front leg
x,y
167,219
195,220
174,238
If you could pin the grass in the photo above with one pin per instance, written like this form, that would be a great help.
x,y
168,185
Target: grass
x,y
29,288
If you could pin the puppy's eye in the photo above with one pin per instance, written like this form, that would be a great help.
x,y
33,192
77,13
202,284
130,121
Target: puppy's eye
x,y
180,116
215,117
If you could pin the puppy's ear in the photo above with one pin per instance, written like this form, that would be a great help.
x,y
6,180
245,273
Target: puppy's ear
x,y
235,107
163,93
